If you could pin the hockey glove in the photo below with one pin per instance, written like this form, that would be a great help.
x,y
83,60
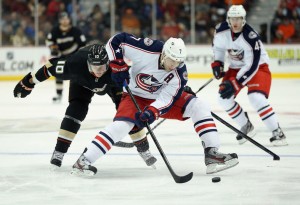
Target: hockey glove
x,y
229,88
189,90
119,71
24,87
218,69
149,115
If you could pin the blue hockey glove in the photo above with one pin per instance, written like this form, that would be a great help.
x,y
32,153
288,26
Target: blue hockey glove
x,y
218,69
149,115
229,88
189,90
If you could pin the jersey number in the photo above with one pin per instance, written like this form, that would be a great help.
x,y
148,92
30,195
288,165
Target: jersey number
x,y
257,45
59,69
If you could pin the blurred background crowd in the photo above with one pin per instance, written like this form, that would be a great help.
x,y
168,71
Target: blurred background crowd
x,y
27,22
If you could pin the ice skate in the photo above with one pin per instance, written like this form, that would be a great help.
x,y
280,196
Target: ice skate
x,y
56,160
83,167
57,99
148,158
216,161
248,130
278,139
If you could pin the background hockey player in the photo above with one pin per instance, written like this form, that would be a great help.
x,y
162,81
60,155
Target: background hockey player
x,y
248,66
157,79
64,40
88,73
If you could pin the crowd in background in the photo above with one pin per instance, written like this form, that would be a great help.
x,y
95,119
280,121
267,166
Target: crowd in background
x,y
134,16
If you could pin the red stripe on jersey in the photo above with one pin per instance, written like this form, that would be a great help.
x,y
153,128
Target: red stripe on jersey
x,y
100,139
235,111
201,127
265,112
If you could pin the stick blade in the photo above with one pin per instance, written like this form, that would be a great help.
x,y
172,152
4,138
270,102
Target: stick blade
x,y
276,157
183,179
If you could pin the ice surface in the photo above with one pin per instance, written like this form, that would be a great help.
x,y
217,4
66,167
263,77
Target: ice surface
x,y
28,132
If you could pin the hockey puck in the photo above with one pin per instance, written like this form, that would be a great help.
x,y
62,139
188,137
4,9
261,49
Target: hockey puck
x,y
216,179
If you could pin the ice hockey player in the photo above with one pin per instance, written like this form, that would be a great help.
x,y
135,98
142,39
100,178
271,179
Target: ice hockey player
x,y
157,79
63,40
89,73
248,67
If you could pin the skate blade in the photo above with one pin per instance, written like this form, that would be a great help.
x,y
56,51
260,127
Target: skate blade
x,y
53,168
250,134
78,172
214,168
153,166
279,143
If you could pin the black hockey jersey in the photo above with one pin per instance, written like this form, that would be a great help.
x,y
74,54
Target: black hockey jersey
x,y
75,68
68,42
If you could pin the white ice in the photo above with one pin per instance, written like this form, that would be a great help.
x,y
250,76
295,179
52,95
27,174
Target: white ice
x,y
28,132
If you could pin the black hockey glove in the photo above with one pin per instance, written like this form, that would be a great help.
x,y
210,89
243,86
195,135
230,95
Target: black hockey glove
x,y
24,87
218,69
229,88
150,114
189,90
119,71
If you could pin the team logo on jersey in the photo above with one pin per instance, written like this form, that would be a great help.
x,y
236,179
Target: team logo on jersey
x,y
237,55
147,82
148,41
252,35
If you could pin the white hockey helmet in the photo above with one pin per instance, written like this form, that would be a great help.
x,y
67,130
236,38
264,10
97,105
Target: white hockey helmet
x,y
174,48
236,11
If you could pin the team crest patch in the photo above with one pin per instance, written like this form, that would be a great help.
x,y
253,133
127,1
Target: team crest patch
x,y
252,35
148,41
237,55
147,82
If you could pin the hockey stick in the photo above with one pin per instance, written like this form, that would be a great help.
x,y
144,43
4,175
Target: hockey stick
x,y
275,156
130,144
178,179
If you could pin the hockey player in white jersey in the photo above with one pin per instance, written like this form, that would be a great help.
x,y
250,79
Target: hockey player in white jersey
x,y
248,67
156,78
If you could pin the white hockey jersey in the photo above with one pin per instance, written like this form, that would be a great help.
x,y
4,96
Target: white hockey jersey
x,y
147,78
246,52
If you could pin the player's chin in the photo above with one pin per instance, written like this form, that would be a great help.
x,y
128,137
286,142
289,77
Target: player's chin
x,y
98,75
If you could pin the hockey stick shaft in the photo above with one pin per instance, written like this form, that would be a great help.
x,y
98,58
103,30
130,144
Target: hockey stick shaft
x,y
275,156
178,179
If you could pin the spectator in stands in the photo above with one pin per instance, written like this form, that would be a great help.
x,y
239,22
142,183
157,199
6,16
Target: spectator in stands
x,y
285,31
20,39
131,23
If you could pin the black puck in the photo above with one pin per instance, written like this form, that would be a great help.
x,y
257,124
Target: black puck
x,y
216,179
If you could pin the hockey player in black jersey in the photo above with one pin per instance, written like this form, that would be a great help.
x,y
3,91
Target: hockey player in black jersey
x,y
89,73
63,40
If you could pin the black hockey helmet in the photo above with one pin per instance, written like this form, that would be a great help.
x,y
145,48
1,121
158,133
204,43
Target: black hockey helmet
x,y
97,55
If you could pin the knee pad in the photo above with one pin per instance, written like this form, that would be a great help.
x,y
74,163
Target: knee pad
x,y
257,100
